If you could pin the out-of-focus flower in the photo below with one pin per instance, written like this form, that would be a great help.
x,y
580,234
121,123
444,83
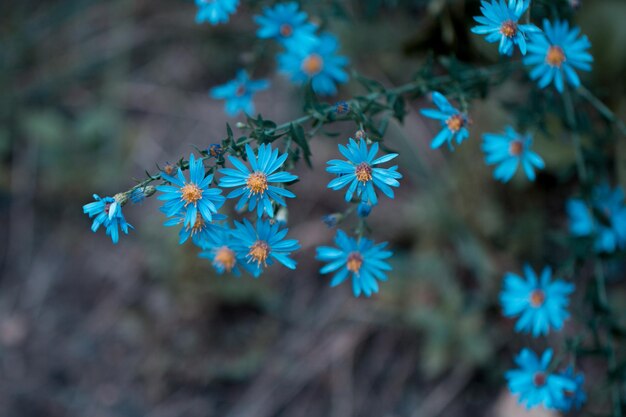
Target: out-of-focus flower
x,y
557,53
215,11
254,185
318,64
539,304
361,173
199,231
342,107
508,150
219,249
363,259
108,213
533,382
215,150
500,22
288,25
238,93
574,398
453,122
364,209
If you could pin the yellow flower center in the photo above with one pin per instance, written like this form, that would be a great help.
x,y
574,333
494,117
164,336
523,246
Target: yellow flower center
x,y
259,252
508,28
257,182
537,298
363,172
191,193
555,56
225,257
286,30
312,64
355,261
516,147
455,122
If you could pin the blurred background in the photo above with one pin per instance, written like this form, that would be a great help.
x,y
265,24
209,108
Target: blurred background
x,y
96,92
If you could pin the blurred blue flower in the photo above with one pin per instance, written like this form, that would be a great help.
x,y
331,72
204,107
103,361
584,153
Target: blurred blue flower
x,y
200,231
453,122
608,226
556,53
572,398
331,220
342,107
254,185
215,11
262,245
190,197
238,93
108,213
360,172
364,209
219,249
500,22
508,150
363,259
288,25
539,303
318,64
534,384
215,150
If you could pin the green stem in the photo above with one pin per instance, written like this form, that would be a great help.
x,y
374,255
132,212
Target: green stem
x,y
602,108
570,116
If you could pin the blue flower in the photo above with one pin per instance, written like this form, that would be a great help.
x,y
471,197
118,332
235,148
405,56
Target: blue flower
x,y
539,303
255,185
220,250
534,384
500,22
215,11
285,23
342,107
317,64
108,213
556,53
200,231
238,93
453,122
572,398
190,197
364,209
609,225
363,259
215,150
508,150
331,220
263,245
360,172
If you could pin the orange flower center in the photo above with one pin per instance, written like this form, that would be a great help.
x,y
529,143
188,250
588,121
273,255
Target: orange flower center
x,y
286,30
537,298
312,64
191,193
169,169
257,182
241,90
355,261
555,56
198,225
259,252
225,257
508,28
516,147
539,379
363,172
455,122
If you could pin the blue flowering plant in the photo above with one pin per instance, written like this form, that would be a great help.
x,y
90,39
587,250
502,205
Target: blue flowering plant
x,y
453,122
508,151
239,93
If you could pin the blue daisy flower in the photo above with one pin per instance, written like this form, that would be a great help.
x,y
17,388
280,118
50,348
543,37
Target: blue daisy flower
x,y
572,398
508,150
556,53
364,259
108,213
200,231
263,245
190,197
605,220
318,64
255,185
534,384
219,249
238,93
360,172
539,303
500,22
215,11
288,25
453,122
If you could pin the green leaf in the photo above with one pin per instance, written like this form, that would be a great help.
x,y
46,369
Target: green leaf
x,y
297,134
